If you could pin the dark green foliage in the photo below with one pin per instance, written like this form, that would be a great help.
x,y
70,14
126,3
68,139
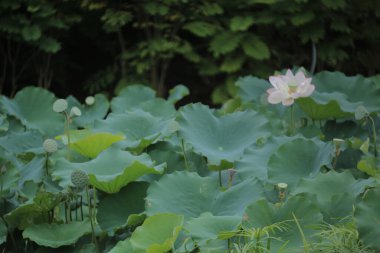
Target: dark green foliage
x,y
164,43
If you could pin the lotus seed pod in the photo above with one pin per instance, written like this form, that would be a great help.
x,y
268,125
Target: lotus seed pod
x,y
60,105
361,112
50,145
79,178
75,112
282,186
90,100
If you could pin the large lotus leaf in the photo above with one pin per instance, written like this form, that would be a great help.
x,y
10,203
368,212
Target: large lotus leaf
x,y
25,215
90,144
140,128
110,170
90,113
158,107
9,179
33,170
191,195
255,159
221,139
157,234
251,89
173,156
4,124
113,210
338,96
346,189
34,108
367,216
208,227
177,93
262,214
56,235
22,142
131,97
299,158
3,232
122,247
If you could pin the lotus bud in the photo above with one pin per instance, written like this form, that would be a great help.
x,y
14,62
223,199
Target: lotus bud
x,y
60,105
90,100
50,146
75,112
79,178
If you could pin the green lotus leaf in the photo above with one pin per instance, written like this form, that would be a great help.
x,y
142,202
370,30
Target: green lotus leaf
x,y
157,234
251,89
177,93
158,107
8,180
131,97
338,96
172,155
24,216
140,128
122,247
114,210
255,159
57,235
4,124
33,107
208,227
299,158
367,216
346,189
22,142
90,144
3,232
97,111
191,195
221,139
264,215
109,171
33,170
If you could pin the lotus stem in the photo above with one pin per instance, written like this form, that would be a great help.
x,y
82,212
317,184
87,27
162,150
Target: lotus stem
x,y
220,178
90,214
67,133
314,58
291,120
184,155
47,163
373,134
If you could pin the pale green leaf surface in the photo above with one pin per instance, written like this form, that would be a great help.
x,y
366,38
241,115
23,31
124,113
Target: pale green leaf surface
x,y
157,234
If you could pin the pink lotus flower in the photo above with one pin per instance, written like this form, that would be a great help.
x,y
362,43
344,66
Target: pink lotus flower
x,y
287,88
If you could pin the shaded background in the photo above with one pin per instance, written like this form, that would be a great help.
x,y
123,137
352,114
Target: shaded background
x,y
85,47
